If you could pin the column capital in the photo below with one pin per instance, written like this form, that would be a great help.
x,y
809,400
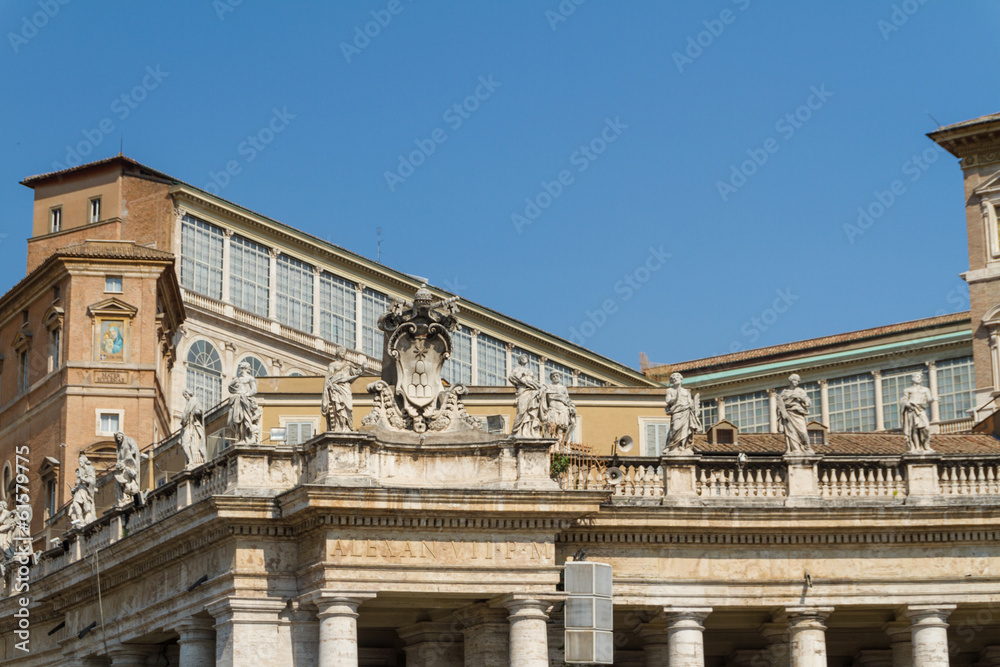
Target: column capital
x,y
931,365
480,613
688,617
130,655
360,287
807,616
876,374
227,232
897,631
248,609
195,628
929,615
336,603
822,383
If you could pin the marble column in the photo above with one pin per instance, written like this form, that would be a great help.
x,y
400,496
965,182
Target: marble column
x,y
935,406
930,634
486,635
900,637
655,643
246,631
776,636
807,635
685,635
879,403
529,640
433,644
338,627
130,655
197,642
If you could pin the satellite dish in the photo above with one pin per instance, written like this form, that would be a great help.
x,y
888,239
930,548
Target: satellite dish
x,y
615,476
625,443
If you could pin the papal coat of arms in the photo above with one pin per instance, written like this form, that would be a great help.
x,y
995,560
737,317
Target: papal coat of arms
x,y
411,396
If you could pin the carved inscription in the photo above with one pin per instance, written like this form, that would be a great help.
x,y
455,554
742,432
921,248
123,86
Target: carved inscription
x,y
111,377
439,551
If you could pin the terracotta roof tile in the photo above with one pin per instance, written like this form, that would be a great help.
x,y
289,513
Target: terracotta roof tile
x,y
113,250
863,444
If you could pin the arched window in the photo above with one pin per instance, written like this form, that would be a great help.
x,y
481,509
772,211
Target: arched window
x,y
204,373
256,366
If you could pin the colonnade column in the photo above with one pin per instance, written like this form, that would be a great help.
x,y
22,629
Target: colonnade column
x,y
879,401
900,637
486,634
433,644
246,631
807,635
197,642
130,655
776,636
772,410
529,638
685,635
655,643
338,627
932,384
929,634
824,399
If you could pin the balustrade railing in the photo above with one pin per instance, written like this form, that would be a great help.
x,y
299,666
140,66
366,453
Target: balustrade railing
x,y
731,479
971,477
856,479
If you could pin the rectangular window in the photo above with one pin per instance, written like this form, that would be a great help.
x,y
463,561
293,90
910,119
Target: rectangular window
x,y
816,436
113,284
815,395
55,220
852,403
295,293
337,310
656,438
298,432
373,305
95,209
893,383
249,275
201,257
24,371
749,412
491,361
533,360
584,380
955,384
709,413
555,367
110,422
54,336
50,496
458,368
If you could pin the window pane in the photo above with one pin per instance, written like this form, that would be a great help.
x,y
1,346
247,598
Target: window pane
x,y
458,367
656,438
893,383
955,386
201,257
749,412
491,360
249,275
337,318
295,293
709,413
533,360
553,367
852,403
204,373
815,395
584,380
257,368
373,305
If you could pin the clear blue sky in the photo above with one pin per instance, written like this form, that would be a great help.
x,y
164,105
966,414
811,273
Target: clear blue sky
x,y
675,116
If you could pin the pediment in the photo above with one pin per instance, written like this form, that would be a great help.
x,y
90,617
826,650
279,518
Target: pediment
x,y
990,187
22,339
112,307
49,465
992,317
53,315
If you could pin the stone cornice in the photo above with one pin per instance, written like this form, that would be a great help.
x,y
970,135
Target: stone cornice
x,y
913,536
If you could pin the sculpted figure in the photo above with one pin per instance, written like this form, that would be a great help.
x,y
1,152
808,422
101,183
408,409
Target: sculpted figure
x,y
683,411
8,525
127,471
81,509
793,406
913,405
244,413
528,421
338,401
193,431
558,412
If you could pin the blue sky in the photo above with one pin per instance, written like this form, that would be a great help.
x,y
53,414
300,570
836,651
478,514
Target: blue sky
x,y
544,158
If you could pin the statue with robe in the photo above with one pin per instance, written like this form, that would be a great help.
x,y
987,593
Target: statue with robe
x,y
82,509
557,409
338,399
193,431
913,408
528,419
683,410
244,413
126,471
792,406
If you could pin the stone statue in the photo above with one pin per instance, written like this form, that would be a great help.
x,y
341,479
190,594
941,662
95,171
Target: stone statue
x,y
193,431
411,396
557,410
338,400
683,411
81,509
8,528
244,413
913,406
792,406
127,471
528,421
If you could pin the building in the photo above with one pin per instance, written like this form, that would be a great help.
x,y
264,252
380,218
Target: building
x,y
382,547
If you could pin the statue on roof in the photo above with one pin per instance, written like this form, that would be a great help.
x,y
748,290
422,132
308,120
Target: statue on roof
x,y
683,410
82,509
244,413
338,400
913,406
792,406
529,391
558,411
126,471
193,431
411,396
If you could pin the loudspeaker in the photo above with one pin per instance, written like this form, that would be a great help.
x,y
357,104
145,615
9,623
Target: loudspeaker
x,y
615,476
625,444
